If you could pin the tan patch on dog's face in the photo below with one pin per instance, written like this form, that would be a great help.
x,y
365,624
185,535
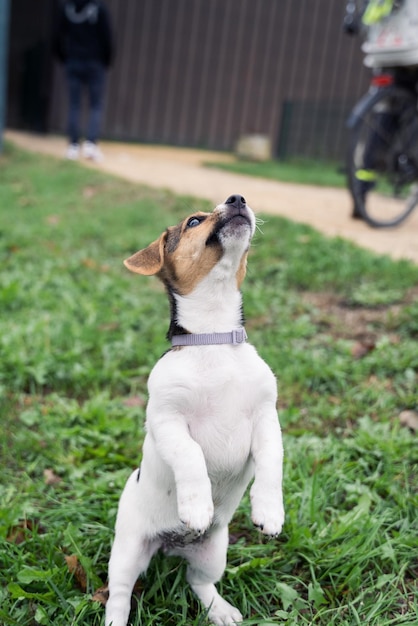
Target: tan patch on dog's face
x,y
188,256
242,270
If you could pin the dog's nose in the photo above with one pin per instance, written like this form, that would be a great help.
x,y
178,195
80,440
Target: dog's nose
x,y
236,200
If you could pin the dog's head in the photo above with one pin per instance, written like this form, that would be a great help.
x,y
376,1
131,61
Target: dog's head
x,y
184,254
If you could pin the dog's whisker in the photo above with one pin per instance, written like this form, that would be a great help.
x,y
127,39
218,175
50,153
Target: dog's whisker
x,y
258,223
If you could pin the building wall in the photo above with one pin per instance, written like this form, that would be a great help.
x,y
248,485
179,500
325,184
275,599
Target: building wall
x,y
30,65
203,72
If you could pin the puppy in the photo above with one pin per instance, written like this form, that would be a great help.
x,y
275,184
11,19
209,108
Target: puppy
x,y
211,421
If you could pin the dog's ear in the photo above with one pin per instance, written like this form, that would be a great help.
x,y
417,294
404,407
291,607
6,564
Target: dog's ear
x,y
150,260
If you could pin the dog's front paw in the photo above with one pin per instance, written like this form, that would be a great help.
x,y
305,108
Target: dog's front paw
x,y
269,525
196,511
267,517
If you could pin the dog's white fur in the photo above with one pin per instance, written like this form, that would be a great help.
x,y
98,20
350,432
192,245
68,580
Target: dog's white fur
x,y
211,420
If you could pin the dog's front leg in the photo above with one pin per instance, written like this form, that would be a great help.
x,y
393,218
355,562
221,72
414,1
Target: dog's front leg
x,y
185,458
266,491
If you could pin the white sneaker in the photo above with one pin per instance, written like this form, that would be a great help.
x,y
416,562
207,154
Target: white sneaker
x,y
92,151
73,151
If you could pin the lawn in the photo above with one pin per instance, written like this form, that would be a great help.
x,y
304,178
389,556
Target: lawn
x,y
78,337
301,171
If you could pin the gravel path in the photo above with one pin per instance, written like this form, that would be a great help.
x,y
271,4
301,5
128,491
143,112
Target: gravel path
x,y
181,171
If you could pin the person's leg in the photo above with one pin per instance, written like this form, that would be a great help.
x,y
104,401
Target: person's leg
x,y
74,83
96,85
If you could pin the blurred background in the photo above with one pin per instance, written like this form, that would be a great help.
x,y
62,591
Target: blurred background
x,y
202,73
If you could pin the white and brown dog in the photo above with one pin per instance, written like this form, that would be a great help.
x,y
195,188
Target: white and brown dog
x,y
211,417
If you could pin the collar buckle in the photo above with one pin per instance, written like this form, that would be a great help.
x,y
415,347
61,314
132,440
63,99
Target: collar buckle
x,y
238,336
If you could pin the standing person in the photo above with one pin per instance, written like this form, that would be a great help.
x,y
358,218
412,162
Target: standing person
x,y
83,42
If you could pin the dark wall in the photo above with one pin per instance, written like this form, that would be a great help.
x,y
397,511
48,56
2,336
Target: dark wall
x,y
30,64
203,72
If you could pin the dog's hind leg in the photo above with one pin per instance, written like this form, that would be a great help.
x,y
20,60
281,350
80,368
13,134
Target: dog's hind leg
x,y
130,557
207,561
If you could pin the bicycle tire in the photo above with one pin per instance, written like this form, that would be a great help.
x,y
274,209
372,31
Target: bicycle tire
x,y
383,157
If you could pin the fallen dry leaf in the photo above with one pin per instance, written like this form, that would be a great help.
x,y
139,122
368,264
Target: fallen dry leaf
x,y
89,263
22,531
51,478
134,401
361,348
53,220
101,595
109,326
409,419
89,192
75,568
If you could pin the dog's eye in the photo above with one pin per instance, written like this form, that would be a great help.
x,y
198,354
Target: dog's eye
x,y
193,221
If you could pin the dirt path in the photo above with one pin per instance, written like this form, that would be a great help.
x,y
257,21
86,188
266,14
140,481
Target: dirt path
x,y
181,171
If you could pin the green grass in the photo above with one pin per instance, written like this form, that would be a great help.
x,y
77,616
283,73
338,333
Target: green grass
x,y
300,171
78,337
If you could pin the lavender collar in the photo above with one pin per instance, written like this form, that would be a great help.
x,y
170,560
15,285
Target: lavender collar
x,y
234,337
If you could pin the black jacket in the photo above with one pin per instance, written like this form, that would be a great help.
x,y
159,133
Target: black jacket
x,y
83,32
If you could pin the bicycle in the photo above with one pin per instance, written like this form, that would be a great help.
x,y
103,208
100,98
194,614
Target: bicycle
x,y
383,151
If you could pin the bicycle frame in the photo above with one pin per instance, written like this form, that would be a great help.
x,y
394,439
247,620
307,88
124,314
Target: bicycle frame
x,y
387,80
377,83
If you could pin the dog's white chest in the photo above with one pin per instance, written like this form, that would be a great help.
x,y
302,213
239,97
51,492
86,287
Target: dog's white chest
x,y
217,389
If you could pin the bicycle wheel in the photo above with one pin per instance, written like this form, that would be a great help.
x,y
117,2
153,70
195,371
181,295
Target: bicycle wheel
x,y
383,158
